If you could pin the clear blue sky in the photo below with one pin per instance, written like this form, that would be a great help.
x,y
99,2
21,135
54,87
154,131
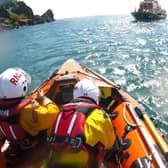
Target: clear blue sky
x,y
77,8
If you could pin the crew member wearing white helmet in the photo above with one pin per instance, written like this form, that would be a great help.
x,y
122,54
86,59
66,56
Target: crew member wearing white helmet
x,y
22,120
82,132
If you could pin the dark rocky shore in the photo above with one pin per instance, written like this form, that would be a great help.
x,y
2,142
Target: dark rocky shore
x,y
15,14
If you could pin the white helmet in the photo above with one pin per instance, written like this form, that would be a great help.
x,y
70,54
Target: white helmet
x,y
14,83
86,88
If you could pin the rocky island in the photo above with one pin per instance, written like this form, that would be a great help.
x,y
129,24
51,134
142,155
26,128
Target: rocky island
x,y
15,13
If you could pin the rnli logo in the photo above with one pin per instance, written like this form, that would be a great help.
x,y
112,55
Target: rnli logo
x,y
4,112
15,78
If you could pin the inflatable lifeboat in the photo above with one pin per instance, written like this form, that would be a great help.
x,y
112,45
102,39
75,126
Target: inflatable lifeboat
x,y
140,143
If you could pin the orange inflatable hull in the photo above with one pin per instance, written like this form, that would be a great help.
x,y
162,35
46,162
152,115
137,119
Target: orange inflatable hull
x,y
145,143
139,142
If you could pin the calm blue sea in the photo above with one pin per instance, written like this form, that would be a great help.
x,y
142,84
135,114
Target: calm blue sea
x,y
132,54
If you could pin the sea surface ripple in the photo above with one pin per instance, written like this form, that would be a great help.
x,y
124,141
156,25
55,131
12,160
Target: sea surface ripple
x,y
132,54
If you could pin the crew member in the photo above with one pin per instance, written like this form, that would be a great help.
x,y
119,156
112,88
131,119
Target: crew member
x,y
82,132
23,120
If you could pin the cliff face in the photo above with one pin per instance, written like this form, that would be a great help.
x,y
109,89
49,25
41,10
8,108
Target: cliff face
x,y
16,13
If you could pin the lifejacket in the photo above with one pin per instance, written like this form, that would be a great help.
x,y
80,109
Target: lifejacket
x,y
68,130
9,119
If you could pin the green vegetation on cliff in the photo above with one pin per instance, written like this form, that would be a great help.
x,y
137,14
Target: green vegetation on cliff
x,y
14,13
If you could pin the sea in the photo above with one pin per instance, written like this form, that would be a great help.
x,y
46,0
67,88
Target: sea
x,y
132,54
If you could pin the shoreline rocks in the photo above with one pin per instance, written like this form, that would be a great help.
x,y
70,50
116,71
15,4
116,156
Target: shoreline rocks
x,y
15,14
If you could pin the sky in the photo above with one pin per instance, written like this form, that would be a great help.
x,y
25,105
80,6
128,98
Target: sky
x,y
77,8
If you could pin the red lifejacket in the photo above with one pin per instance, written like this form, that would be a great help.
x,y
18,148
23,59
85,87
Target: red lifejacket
x,y
68,130
9,119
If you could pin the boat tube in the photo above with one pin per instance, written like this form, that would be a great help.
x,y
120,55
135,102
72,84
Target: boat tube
x,y
140,143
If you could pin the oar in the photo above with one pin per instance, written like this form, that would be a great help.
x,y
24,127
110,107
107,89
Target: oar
x,y
157,136
137,114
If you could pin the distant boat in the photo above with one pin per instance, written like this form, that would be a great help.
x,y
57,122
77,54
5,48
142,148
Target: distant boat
x,y
149,10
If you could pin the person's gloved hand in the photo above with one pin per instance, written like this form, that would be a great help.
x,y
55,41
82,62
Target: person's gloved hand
x,y
43,100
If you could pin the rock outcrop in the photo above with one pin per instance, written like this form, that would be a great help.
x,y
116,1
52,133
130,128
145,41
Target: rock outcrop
x,y
16,13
